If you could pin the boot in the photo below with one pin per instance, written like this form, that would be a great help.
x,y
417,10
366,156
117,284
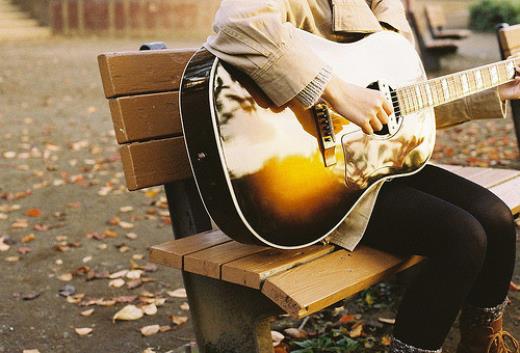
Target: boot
x,y
481,331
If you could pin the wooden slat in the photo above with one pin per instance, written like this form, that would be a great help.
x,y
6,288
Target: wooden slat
x,y
146,117
172,252
486,177
510,39
128,73
209,262
154,163
509,192
311,287
251,271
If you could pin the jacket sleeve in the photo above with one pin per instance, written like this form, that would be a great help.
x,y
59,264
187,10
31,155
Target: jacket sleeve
x,y
257,37
484,105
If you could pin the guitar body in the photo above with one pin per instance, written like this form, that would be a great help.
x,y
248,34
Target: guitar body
x,y
261,170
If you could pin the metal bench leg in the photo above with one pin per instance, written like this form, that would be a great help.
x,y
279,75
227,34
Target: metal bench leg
x,y
226,318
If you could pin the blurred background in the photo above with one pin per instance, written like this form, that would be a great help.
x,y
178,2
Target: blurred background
x,y
66,219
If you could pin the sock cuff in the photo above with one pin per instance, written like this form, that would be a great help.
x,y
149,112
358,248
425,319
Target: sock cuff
x,y
472,316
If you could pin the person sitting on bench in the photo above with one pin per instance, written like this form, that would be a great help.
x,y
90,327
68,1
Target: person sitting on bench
x,y
466,232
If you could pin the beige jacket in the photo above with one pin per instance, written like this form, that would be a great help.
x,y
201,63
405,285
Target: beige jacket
x,y
258,37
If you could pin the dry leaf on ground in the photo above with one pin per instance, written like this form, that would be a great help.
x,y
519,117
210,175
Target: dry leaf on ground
x,y
277,338
179,320
185,306
178,293
295,333
386,320
150,309
128,313
150,330
83,331
87,313
116,283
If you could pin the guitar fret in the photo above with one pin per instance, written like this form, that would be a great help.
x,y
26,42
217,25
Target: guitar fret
x,y
493,72
429,93
419,96
465,83
478,79
511,71
445,89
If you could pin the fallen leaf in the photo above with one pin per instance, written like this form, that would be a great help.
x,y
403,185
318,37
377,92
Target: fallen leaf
x,y
386,321
134,274
118,274
12,258
134,283
116,283
131,236
514,287
149,350
86,259
150,330
67,290
185,306
83,331
150,309
87,313
31,351
33,212
386,340
165,328
66,277
126,209
178,293
295,333
28,238
179,320
356,331
344,319
31,295
23,250
128,313
3,246
126,225
277,338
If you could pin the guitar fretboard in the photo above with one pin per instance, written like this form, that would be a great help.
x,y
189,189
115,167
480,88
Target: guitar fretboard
x,y
442,90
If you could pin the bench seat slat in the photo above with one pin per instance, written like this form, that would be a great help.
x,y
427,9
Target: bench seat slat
x,y
138,72
311,287
252,270
155,162
171,253
509,192
209,262
146,117
487,177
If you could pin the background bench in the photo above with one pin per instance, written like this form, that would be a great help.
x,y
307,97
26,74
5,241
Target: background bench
x,y
234,290
436,21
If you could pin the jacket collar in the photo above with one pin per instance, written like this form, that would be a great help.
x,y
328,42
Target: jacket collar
x,y
354,16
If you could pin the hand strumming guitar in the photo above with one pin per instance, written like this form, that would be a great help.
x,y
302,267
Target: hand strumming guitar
x,y
511,90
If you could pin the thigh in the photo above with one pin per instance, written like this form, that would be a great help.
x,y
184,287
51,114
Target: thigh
x,y
409,221
464,193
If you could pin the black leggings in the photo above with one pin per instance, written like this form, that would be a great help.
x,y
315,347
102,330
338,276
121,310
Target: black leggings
x,y
466,232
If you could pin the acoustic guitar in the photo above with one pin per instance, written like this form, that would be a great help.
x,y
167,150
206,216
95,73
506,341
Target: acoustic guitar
x,y
287,177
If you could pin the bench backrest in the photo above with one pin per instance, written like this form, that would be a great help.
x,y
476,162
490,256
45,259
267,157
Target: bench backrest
x,y
143,92
435,16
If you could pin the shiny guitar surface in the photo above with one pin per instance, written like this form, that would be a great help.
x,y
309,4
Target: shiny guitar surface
x,y
261,170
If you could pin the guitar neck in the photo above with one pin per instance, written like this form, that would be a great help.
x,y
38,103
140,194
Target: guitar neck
x,y
442,90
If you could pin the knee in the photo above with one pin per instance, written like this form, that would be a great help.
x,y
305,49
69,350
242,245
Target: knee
x,y
498,221
468,246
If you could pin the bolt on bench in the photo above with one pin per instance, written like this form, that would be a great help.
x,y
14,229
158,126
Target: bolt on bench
x,y
234,290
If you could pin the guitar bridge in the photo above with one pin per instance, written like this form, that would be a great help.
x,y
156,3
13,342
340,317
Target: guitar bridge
x,y
326,138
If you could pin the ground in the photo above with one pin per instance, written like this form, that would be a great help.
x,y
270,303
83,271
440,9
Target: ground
x,y
66,220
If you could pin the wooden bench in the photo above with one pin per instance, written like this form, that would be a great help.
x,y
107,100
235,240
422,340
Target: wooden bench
x,y
509,43
430,49
436,21
234,290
